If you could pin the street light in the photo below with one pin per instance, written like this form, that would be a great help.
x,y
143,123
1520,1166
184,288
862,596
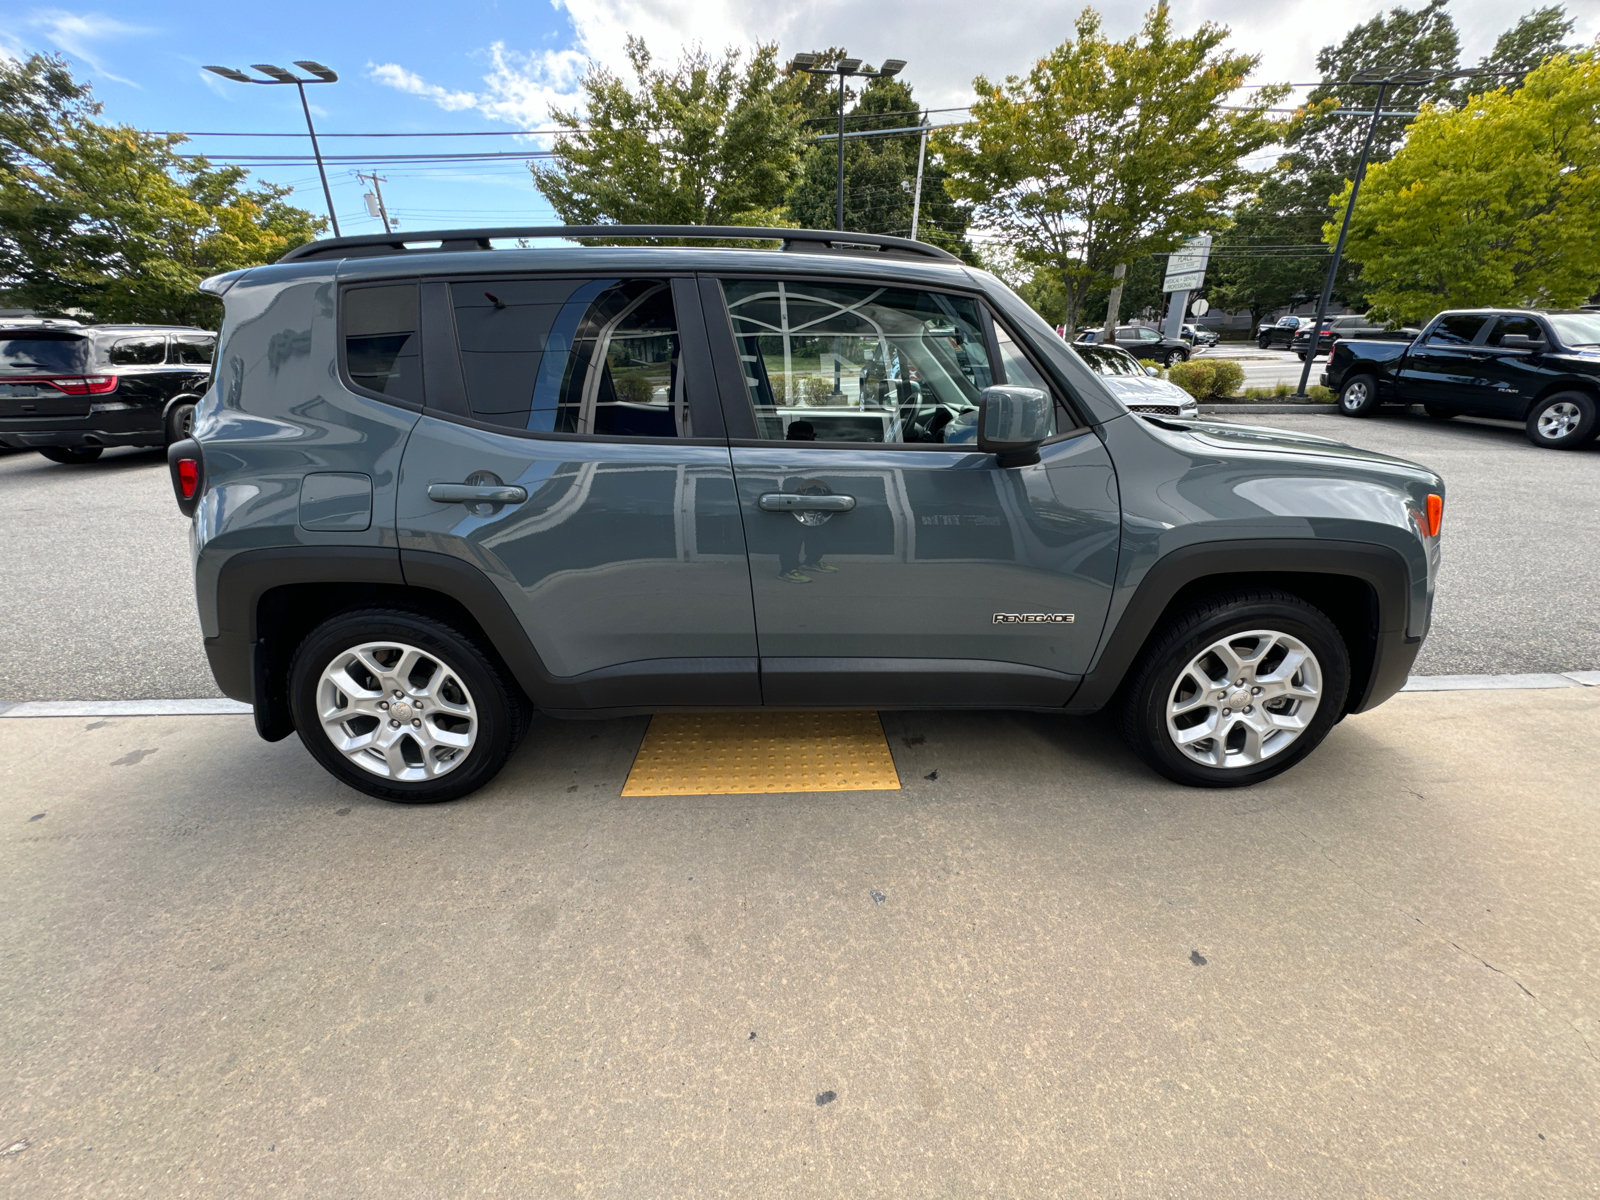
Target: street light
x,y
846,67
277,75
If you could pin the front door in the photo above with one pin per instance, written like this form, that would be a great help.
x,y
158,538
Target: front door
x,y
618,545
892,564
1511,375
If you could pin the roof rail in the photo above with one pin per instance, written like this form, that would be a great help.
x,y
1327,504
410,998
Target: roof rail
x,y
814,241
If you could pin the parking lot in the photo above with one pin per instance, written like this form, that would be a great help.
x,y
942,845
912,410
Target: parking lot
x,y
1035,969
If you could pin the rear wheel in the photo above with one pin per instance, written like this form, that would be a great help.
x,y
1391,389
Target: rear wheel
x,y
1175,356
1563,421
1439,412
1236,689
180,422
403,706
71,454
1359,396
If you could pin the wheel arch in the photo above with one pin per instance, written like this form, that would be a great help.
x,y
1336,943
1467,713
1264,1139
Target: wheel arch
x,y
1362,588
1588,387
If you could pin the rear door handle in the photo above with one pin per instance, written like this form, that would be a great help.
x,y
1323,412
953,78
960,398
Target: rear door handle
x,y
780,502
473,493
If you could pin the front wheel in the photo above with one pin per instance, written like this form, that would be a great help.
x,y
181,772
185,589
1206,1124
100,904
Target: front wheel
x,y
1359,396
403,706
1563,421
71,455
1236,689
1263,343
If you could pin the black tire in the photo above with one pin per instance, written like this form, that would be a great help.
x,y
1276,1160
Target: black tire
x,y
1562,421
498,705
72,455
1359,396
1175,356
1264,343
1156,676
1439,412
180,421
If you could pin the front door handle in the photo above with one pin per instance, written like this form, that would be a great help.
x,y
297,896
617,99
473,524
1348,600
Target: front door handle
x,y
789,502
474,493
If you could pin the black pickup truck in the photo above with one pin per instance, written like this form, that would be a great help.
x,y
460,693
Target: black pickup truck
x,y
1535,366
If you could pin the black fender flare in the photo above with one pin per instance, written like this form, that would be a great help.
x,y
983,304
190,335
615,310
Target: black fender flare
x,y
1380,568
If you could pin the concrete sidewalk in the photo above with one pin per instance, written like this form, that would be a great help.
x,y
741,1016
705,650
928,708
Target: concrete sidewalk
x,y
1035,971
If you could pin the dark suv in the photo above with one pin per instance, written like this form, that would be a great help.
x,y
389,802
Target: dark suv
x,y
69,390
439,479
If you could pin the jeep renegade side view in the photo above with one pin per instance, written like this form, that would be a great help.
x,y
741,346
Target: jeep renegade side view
x,y
439,480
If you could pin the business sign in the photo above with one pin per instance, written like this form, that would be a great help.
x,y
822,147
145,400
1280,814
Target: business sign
x,y
1186,266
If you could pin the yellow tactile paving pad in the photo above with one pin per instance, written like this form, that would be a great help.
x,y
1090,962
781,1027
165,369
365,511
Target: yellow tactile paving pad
x,y
706,754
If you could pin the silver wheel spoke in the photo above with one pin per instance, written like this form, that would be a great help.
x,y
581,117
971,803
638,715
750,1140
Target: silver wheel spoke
x,y
377,739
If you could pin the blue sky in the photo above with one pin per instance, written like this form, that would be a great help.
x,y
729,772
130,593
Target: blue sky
x,y
416,68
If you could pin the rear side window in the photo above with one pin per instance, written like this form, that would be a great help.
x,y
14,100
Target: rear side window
x,y
191,349
138,352
44,352
382,346
1456,330
594,356
1526,326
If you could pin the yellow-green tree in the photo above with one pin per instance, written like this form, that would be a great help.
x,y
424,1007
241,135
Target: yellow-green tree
x,y
1107,151
1494,203
109,220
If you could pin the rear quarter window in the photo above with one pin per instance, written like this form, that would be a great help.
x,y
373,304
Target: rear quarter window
x,y
137,352
382,342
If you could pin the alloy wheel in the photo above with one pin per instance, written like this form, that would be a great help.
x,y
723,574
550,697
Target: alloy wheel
x,y
1560,420
396,711
1244,698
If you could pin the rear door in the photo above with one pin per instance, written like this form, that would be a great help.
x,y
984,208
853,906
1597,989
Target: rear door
x,y
1445,366
892,564
623,555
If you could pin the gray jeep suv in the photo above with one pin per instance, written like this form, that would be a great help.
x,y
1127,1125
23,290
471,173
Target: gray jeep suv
x,y
439,480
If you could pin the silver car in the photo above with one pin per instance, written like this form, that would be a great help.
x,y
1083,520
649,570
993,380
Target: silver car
x,y
1139,387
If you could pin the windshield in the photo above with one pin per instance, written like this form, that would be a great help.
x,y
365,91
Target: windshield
x,y
1108,360
63,352
1576,329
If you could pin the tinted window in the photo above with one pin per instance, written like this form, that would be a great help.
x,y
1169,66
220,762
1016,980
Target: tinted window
x,y
1526,326
834,362
1456,331
573,355
138,352
44,352
191,348
382,347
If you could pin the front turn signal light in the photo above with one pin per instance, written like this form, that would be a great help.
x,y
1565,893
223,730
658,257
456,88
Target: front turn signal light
x,y
1435,514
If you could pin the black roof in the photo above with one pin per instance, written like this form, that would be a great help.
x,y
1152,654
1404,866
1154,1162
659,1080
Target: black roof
x,y
807,241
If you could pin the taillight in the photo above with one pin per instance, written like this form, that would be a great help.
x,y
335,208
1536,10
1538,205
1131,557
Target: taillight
x,y
1435,514
188,477
83,385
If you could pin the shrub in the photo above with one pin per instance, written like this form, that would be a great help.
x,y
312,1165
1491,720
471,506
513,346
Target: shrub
x,y
1281,390
1320,394
632,389
1195,377
1228,379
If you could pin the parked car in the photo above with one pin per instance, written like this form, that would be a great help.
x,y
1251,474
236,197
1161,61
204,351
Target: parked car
x,y
1196,336
1139,387
1279,332
1146,343
1349,326
1535,366
69,390
433,487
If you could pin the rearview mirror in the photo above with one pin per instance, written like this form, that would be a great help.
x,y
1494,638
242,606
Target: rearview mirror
x,y
1012,421
1521,341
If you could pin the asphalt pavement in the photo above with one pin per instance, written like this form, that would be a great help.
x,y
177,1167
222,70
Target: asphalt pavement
x,y
97,600
1038,970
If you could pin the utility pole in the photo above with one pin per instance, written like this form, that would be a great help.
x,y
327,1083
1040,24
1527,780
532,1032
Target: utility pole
x,y
377,194
916,199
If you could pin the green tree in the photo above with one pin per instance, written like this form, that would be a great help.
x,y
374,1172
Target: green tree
x,y
710,142
1540,35
880,173
1494,203
105,219
1108,151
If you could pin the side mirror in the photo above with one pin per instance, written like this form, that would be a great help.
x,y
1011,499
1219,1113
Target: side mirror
x,y
1521,341
1012,421
1152,371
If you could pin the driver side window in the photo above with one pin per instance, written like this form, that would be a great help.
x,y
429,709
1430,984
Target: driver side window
x,y
847,362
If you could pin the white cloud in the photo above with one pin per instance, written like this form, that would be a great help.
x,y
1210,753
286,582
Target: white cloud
x,y
74,34
943,41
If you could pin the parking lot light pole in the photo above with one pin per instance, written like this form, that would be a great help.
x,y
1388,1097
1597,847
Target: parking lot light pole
x,y
846,67
276,76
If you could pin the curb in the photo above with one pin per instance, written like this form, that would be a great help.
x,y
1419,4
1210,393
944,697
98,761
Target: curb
x,y
1222,410
18,709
